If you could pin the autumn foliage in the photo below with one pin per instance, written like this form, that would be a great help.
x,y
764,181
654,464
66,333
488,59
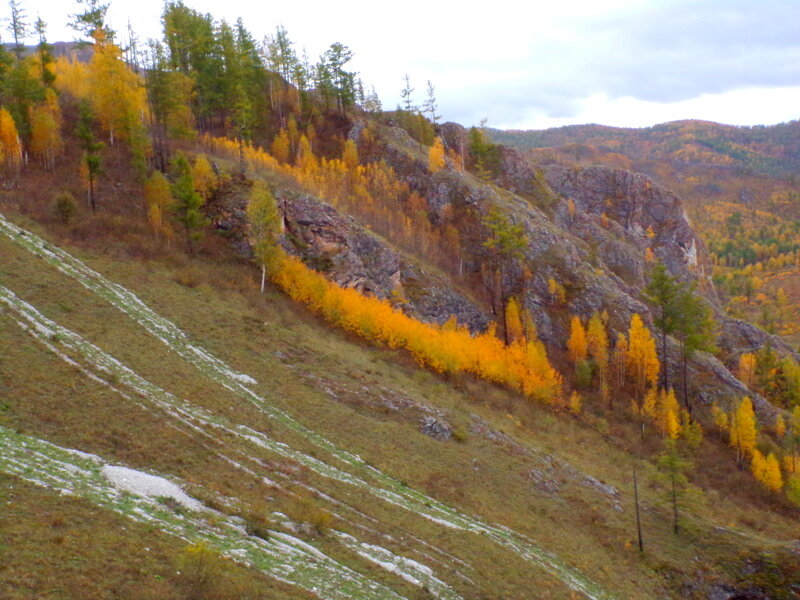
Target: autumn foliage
x,y
523,366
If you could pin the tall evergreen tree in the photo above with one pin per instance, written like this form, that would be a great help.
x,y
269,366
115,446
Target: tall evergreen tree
x,y
18,27
188,202
91,152
663,290
505,243
673,468
694,328
92,20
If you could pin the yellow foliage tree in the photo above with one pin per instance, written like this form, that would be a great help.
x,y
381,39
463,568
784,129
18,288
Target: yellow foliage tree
x,y
720,417
350,156
619,361
767,470
45,119
597,342
280,147
515,330
575,402
9,142
203,177
641,358
158,197
780,426
117,94
436,156
747,369
558,295
744,429
576,344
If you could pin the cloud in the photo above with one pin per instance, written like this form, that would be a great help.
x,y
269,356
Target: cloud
x,y
528,62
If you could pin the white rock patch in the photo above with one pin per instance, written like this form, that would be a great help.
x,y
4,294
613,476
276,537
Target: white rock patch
x,y
150,486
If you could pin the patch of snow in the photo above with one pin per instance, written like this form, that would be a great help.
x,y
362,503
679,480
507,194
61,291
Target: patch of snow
x,y
149,486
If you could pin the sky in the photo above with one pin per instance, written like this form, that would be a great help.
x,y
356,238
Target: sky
x,y
532,64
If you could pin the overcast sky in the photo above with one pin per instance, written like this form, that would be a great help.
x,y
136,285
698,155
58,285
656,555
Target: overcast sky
x,y
532,64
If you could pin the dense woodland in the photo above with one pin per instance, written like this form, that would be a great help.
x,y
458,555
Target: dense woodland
x,y
208,107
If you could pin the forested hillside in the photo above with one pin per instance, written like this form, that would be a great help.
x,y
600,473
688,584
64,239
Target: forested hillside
x,y
271,340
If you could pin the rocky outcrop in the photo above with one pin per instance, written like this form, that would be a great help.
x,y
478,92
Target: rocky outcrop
x,y
350,255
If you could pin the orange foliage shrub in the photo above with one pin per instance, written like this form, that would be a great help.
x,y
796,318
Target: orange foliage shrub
x,y
523,366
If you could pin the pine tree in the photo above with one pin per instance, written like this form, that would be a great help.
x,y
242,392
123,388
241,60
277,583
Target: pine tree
x,y
92,20
18,27
430,107
264,220
188,202
694,329
406,95
662,290
92,162
45,52
505,243
674,467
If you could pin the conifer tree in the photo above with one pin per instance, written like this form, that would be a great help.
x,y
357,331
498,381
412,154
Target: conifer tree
x,y
406,95
188,202
430,107
18,27
694,329
662,290
674,467
506,242
92,20
92,162
45,52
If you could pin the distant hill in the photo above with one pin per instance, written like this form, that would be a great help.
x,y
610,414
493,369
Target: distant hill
x,y
81,52
772,150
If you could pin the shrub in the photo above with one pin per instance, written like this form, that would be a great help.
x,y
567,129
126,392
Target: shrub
x,y
64,206
200,569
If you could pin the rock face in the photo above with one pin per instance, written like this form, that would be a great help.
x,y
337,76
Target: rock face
x,y
338,246
589,229
350,255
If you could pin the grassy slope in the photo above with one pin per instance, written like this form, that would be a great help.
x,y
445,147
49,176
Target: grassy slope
x,y
329,383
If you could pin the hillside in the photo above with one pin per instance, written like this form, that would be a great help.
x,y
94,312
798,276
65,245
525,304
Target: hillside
x,y
261,339
740,190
